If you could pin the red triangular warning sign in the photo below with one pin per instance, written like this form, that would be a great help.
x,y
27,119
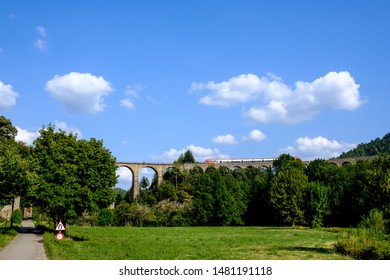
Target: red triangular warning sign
x,y
60,226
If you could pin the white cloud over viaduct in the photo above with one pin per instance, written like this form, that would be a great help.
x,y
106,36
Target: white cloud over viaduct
x,y
270,100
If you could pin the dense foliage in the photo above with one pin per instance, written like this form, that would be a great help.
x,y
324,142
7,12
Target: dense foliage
x,y
15,170
75,176
320,194
372,148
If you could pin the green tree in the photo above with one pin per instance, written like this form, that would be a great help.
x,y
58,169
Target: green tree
x,y
166,190
378,184
16,175
286,161
341,192
144,183
74,175
203,201
287,195
373,148
7,130
317,204
122,214
187,157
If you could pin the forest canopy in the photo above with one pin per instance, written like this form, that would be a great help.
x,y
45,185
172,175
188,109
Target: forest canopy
x,y
373,148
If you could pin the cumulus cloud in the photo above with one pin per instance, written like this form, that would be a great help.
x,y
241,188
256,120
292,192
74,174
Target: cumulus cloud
x,y
25,136
7,96
224,139
319,147
127,104
79,92
200,154
271,100
255,135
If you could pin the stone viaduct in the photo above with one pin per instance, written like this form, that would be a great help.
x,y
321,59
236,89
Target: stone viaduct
x,y
160,168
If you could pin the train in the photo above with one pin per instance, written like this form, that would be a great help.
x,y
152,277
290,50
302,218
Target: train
x,y
237,160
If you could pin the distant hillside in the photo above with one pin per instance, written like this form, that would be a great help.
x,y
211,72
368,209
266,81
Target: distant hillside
x,y
372,148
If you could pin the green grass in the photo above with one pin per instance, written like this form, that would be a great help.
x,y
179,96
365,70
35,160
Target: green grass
x,y
192,243
6,236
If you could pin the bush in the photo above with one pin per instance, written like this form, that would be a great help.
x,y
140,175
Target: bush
x,y
17,216
374,221
368,241
122,216
105,217
364,244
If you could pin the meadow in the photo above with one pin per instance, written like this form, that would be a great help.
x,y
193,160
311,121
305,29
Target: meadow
x,y
193,243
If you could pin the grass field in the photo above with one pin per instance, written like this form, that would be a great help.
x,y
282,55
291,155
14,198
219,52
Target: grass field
x,y
192,243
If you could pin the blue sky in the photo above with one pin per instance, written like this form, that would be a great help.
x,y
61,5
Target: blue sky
x,y
233,78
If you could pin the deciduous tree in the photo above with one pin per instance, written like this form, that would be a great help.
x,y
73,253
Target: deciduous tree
x,y
74,175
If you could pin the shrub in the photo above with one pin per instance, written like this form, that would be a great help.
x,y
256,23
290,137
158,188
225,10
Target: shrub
x,y
368,241
17,216
105,217
122,216
374,221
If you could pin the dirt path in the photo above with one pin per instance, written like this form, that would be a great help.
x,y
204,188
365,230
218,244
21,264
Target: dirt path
x,y
27,245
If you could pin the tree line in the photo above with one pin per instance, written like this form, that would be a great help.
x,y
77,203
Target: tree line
x,y
373,148
290,193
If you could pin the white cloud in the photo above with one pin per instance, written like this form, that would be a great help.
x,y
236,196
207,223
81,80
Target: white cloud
x,y
127,104
270,100
134,91
67,128
224,139
40,44
41,31
7,96
255,135
25,136
319,147
200,154
79,92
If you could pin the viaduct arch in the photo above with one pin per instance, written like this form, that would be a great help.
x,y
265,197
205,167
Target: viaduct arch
x,y
160,168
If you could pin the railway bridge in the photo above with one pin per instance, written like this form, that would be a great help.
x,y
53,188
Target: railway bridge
x,y
161,168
